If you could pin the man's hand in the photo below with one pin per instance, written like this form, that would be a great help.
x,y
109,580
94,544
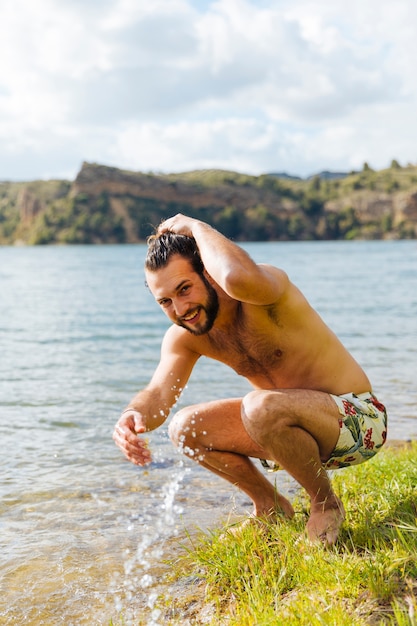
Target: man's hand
x,y
125,435
179,224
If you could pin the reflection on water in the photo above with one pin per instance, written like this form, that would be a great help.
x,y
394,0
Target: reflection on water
x,y
84,558
84,535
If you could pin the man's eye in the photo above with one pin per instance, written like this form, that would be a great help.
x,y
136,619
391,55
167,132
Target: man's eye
x,y
165,303
185,288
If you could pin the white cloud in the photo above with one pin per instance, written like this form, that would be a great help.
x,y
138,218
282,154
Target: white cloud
x,y
181,84
195,145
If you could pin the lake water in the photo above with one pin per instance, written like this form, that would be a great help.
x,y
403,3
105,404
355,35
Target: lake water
x,y
84,534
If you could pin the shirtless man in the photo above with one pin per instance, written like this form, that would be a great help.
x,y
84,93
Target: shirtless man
x,y
225,306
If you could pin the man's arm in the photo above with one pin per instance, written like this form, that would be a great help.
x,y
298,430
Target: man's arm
x,y
229,265
149,408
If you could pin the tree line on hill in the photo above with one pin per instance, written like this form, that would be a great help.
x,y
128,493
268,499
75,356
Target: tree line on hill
x,y
109,205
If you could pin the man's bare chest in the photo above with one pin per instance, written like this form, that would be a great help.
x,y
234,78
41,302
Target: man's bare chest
x,y
250,352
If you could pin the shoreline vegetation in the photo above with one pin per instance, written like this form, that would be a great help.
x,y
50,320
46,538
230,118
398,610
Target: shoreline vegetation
x,y
278,577
106,205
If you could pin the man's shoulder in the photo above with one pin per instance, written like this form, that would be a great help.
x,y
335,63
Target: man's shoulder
x,y
180,339
289,305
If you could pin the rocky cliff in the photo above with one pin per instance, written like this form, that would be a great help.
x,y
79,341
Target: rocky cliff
x,y
107,204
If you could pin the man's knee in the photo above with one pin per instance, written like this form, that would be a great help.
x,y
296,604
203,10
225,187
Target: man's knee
x,y
181,429
262,405
176,427
263,412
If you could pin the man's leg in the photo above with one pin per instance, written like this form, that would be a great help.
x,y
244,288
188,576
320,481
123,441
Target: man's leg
x,y
299,429
296,428
213,435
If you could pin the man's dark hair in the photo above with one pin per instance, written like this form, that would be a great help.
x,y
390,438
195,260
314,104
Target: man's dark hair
x,y
161,247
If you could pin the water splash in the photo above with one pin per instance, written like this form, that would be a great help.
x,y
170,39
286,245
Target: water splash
x,y
140,579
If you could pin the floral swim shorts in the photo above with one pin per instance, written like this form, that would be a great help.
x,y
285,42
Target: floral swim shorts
x,y
363,429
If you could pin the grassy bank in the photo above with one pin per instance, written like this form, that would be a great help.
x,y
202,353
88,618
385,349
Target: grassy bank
x,y
369,577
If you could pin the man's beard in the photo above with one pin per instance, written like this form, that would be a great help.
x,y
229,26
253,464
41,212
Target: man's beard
x,y
210,309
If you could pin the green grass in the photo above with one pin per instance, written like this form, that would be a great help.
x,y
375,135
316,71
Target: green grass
x,y
263,579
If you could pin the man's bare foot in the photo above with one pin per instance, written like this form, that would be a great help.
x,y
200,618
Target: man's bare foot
x,y
264,516
281,508
260,523
325,522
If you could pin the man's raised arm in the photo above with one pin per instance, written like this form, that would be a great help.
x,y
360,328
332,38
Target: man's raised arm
x,y
149,408
229,265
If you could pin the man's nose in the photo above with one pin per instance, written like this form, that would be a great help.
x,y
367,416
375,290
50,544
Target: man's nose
x,y
180,307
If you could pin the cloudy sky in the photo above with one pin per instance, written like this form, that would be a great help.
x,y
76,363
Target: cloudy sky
x,y
173,85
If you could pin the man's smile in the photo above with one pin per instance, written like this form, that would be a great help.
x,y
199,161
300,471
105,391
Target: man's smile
x,y
192,316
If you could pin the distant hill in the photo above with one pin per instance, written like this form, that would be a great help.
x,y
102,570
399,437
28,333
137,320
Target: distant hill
x,y
110,205
325,175
284,175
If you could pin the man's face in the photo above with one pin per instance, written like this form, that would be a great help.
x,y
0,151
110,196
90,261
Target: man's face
x,y
187,298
